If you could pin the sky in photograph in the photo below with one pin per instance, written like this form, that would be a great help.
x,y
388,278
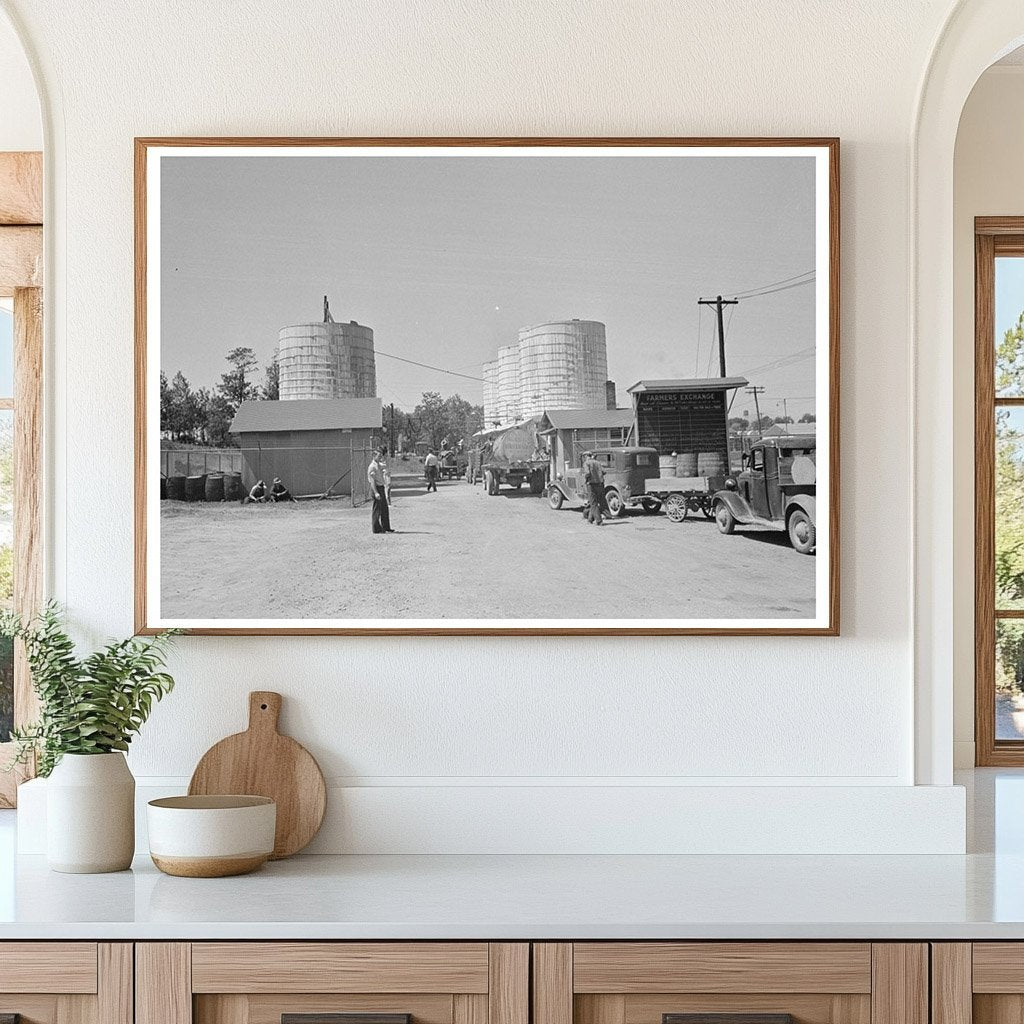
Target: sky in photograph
x,y
447,257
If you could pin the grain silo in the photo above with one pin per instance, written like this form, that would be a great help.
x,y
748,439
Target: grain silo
x,y
562,365
326,360
508,383
492,414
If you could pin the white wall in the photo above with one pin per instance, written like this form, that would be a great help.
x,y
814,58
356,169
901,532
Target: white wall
x,y
433,718
21,127
987,181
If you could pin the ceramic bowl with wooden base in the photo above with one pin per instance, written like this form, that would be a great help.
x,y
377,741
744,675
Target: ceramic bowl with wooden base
x,y
211,836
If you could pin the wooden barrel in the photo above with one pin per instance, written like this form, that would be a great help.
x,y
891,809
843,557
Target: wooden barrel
x,y
214,487
710,464
686,464
667,465
195,488
232,486
176,488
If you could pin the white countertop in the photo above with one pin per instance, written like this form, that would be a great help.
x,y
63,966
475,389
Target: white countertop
x,y
516,897
977,896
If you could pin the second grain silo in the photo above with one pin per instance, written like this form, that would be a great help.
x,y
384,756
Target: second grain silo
x,y
492,412
508,383
326,360
562,365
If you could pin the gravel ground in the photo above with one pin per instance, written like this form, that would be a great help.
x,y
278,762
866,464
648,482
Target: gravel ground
x,y
461,554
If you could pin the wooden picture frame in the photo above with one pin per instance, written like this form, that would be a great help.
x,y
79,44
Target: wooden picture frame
x,y
824,621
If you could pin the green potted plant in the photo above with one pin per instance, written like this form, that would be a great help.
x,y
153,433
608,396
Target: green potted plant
x,y
90,708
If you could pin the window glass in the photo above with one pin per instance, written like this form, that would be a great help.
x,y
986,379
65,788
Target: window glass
x,y
6,353
1009,679
1009,327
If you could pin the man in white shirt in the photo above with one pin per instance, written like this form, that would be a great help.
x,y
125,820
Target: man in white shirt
x,y
377,478
430,465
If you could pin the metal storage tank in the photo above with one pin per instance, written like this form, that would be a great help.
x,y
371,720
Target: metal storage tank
x,y
508,383
326,360
492,413
562,365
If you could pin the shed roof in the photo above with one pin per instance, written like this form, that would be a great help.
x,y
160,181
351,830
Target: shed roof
x,y
690,384
307,414
586,419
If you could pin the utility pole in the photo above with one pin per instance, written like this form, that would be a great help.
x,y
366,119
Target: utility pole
x,y
755,391
391,447
719,303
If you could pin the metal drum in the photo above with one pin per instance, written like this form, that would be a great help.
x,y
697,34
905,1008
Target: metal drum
x,y
195,488
214,488
666,465
176,488
710,464
232,486
686,464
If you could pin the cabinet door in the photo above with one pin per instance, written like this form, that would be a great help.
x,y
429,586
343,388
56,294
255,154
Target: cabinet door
x,y
65,983
332,983
980,982
730,983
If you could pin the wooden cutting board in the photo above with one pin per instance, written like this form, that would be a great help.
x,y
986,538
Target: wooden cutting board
x,y
262,762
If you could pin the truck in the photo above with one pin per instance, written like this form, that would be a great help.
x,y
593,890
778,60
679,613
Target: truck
x,y
511,456
627,472
775,489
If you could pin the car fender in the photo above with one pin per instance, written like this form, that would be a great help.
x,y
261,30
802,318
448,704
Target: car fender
x,y
734,503
807,502
558,485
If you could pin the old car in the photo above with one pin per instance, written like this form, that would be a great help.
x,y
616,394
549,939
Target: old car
x,y
626,472
775,489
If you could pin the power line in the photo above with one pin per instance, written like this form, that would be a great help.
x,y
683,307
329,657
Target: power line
x,y
796,279
427,366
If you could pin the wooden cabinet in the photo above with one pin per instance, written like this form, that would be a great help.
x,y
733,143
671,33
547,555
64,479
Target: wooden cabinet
x,y
66,982
311,983
978,983
749,982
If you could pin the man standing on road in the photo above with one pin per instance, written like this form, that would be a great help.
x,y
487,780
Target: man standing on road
x,y
380,519
593,475
430,468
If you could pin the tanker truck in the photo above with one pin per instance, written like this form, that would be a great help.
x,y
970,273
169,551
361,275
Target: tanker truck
x,y
512,456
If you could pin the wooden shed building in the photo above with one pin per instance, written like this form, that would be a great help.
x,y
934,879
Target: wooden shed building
x,y
570,432
318,447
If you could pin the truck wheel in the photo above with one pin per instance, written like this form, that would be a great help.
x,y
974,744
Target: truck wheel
x,y
675,508
616,506
725,519
556,499
802,534
651,506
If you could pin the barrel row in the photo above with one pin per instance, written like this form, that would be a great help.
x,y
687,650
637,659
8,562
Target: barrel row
x,y
207,487
692,464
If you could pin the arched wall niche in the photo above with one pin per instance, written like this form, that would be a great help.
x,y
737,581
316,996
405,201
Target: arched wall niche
x,y
975,35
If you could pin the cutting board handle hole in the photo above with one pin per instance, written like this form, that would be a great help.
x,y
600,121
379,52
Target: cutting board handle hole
x,y
263,707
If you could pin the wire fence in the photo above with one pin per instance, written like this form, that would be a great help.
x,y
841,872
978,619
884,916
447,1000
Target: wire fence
x,y
199,461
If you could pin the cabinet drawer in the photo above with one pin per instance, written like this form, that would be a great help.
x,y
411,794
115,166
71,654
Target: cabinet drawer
x,y
66,967
66,982
730,983
332,983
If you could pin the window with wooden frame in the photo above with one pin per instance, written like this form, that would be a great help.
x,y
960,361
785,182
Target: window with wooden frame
x,y
21,368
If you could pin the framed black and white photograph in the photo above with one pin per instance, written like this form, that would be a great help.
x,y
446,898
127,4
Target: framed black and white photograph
x,y
496,386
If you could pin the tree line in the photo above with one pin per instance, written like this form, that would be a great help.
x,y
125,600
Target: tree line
x,y
742,423
203,415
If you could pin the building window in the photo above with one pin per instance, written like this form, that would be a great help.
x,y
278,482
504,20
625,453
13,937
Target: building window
x,y
999,491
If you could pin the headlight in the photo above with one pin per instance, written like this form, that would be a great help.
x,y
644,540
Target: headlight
x,y
730,483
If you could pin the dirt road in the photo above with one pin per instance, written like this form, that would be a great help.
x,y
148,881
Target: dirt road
x,y
462,554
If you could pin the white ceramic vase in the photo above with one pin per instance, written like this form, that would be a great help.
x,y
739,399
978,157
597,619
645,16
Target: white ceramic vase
x,y
90,814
